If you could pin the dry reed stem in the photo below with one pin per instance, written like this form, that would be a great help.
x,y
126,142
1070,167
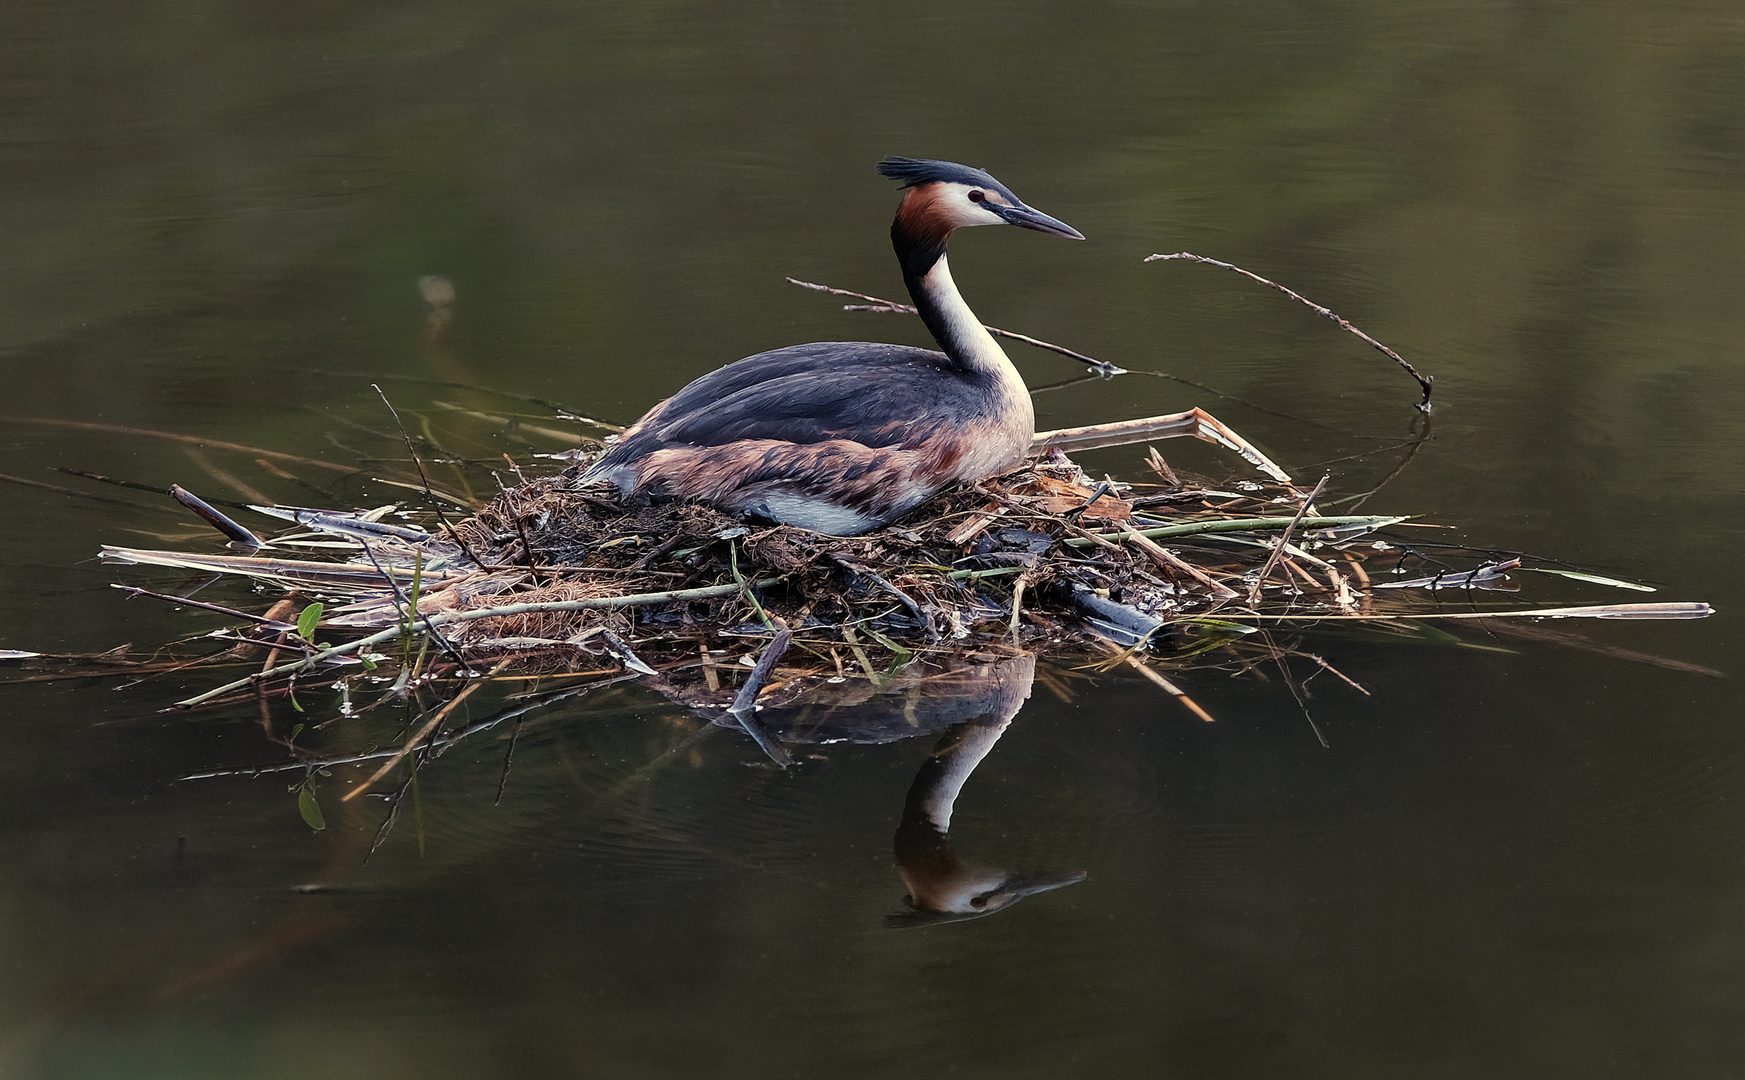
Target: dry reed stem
x,y
1168,560
1223,525
975,523
1169,688
1161,467
1196,422
1622,612
1283,539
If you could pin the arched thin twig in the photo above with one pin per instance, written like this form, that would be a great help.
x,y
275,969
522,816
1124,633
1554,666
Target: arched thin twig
x,y
1424,381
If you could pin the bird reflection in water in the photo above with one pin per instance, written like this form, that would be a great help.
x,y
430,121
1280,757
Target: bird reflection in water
x,y
972,704
943,885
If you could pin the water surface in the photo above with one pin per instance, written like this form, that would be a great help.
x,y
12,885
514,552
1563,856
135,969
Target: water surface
x,y
1524,861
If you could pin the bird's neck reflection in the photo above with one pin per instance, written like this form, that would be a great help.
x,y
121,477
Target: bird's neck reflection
x,y
943,885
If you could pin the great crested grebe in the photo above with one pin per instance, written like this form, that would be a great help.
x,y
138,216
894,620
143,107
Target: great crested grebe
x,y
843,436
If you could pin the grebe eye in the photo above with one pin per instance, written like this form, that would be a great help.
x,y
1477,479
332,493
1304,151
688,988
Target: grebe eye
x,y
976,196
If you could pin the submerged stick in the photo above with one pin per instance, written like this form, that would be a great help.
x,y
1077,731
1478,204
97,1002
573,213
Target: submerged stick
x,y
184,601
1535,632
217,444
1424,381
443,741
39,485
1278,659
744,707
132,485
412,744
225,476
558,408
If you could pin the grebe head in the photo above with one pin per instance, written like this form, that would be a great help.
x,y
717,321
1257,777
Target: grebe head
x,y
940,196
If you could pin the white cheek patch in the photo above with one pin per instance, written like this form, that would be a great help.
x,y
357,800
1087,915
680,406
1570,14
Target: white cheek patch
x,y
964,212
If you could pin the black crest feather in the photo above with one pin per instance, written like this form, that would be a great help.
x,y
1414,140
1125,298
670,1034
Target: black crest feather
x,y
913,171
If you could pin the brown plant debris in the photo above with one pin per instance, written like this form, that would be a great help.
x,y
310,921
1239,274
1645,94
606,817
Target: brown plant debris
x,y
554,581
556,578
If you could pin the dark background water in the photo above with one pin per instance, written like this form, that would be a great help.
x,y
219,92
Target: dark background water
x,y
1508,863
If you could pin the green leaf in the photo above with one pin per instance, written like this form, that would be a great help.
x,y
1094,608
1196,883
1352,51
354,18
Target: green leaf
x,y
309,620
296,731
310,809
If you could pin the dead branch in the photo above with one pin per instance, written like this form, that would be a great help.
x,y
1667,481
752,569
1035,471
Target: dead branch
x,y
1424,381
231,531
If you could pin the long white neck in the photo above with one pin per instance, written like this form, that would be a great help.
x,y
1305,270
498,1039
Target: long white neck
x,y
966,341
960,334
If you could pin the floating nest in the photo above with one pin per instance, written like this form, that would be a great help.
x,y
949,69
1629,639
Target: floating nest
x,y
554,578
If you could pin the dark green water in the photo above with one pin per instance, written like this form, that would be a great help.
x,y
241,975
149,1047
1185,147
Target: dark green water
x,y
1508,863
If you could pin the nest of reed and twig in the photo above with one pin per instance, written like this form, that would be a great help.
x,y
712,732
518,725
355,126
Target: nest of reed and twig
x,y
554,578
